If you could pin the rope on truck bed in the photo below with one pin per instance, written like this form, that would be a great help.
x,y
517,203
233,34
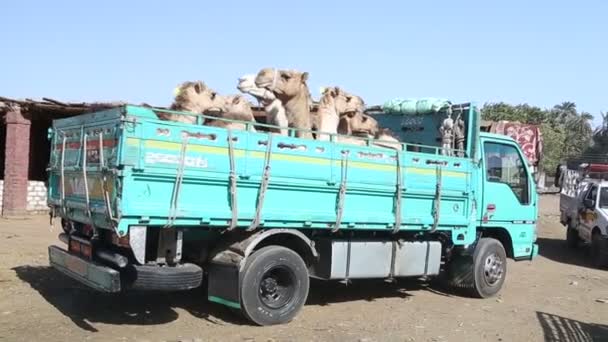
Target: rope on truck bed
x,y
84,173
263,185
437,204
104,183
398,190
87,196
62,171
233,184
179,177
341,191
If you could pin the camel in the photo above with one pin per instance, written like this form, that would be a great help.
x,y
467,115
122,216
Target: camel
x,y
289,86
275,112
327,117
194,97
387,138
334,102
357,123
235,107
356,127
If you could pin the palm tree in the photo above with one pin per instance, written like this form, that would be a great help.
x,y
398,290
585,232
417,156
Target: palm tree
x,y
566,110
603,129
578,133
600,137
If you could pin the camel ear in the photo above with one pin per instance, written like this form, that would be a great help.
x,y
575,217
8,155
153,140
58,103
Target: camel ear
x,y
199,87
304,76
337,90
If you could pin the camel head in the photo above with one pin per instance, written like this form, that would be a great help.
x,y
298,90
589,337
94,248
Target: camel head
x,y
196,97
386,134
284,83
237,104
342,101
328,98
387,138
235,107
247,85
359,124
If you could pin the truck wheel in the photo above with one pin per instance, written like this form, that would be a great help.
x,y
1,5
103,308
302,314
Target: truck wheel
x,y
490,267
274,285
599,250
482,275
572,238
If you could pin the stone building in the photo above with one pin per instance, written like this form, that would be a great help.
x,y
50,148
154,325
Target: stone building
x,y
24,151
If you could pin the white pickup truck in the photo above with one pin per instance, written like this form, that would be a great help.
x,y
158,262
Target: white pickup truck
x,y
584,208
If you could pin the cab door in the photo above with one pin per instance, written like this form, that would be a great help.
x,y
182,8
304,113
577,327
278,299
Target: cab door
x,y
587,215
509,194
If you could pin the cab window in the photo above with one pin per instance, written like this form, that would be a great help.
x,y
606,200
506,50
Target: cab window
x,y
592,194
604,198
505,165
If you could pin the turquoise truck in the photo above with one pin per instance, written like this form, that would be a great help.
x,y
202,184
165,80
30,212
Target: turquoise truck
x,y
147,204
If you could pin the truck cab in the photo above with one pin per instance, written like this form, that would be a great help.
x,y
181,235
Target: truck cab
x,y
509,201
584,211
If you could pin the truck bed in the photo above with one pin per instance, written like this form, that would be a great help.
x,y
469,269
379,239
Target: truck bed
x,y
137,173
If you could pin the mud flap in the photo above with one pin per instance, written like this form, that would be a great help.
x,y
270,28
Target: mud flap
x,y
534,253
228,259
224,285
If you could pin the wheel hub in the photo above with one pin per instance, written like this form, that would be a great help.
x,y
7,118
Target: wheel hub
x,y
269,286
276,288
493,269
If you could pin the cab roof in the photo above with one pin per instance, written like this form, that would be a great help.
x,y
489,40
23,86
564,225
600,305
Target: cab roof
x,y
495,136
600,182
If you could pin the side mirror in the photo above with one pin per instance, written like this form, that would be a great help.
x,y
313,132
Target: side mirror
x,y
589,203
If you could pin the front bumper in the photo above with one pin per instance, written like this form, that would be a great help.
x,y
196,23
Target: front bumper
x,y
90,273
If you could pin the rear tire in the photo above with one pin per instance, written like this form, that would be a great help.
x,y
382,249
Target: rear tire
x,y
599,250
274,285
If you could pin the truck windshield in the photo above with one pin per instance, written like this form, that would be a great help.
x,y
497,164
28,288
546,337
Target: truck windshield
x,y
604,198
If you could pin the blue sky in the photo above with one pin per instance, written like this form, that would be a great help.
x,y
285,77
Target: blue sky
x,y
541,52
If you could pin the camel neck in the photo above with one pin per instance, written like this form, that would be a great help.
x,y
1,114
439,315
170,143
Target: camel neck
x,y
298,103
327,108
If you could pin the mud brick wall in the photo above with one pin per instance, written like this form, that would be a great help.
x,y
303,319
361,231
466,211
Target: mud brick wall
x,y
36,196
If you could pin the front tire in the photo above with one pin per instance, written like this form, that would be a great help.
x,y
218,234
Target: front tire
x,y
274,285
483,274
490,267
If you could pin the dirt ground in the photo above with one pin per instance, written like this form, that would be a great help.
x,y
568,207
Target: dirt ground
x,y
556,297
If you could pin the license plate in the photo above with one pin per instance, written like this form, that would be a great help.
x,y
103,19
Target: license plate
x,y
76,265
